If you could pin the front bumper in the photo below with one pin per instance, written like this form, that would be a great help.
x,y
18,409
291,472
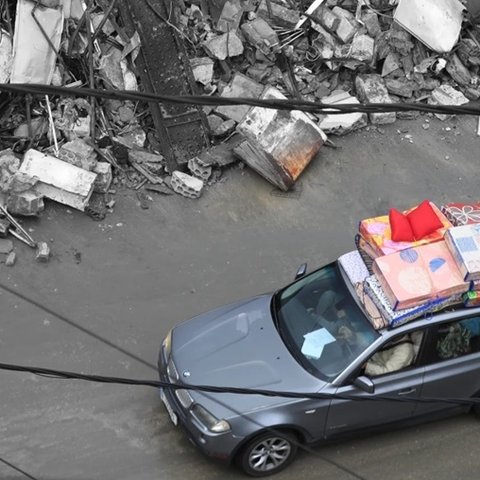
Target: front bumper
x,y
220,446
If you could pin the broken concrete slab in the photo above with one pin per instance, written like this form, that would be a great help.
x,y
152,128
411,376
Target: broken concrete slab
x,y
370,19
79,153
59,180
202,69
222,46
186,185
104,177
279,15
279,144
341,124
230,16
347,26
9,164
372,89
260,35
458,71
399,86
362,48
240,86
446,95
27,203
392,62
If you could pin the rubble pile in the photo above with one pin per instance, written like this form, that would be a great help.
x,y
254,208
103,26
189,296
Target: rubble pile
x,y
79,151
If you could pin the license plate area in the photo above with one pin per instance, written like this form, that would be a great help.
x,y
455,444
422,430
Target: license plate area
x,y
173,416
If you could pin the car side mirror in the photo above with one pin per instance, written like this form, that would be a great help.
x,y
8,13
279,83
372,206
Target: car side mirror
x,y
302,270
365,384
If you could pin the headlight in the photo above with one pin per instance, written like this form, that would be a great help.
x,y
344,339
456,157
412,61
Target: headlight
x,y
184,398
167,345
206,418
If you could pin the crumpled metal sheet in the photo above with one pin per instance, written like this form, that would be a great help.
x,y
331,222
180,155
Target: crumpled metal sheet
x,y
436,23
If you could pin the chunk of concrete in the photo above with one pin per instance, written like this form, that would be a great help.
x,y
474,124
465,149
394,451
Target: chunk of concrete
x,y
458,71
59,180
279,144
372,89
326,18
240,86
79,153
43,252
341,124
186,185
446,95
199,168
136,155
10,260
399,86
104,177
28,203
391,63
278,14
224,128
362,48
230,16
6,57
347,26
223,46
9,165
202,69
370,20
260,35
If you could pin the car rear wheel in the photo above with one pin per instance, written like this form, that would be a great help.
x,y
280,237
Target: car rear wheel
x,y
268,453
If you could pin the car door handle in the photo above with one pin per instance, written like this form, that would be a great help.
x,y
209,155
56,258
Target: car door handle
x,y
408,391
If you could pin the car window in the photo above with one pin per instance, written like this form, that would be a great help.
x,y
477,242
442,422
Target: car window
x,y
399,353
321,323
458,338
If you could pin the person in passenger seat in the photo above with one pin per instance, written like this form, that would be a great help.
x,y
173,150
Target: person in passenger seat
x,y
395,356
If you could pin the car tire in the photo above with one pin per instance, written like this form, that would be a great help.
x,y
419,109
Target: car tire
x,y
268,453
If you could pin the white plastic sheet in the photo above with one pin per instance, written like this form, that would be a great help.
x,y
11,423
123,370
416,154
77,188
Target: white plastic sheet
x,y
436,23
33,57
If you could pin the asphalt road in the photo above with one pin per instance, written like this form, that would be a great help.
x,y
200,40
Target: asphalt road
x,y
144,271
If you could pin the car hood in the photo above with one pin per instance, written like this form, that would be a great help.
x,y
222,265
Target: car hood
x,y
238,345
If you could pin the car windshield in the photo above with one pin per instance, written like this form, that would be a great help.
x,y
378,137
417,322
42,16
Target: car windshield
x,y
321,323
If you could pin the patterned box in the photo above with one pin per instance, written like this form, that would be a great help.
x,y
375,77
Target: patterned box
x,y
416,275
462,213
354,267
395,318
464,244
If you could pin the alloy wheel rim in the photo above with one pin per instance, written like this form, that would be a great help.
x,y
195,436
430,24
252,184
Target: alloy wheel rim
x,y
269,454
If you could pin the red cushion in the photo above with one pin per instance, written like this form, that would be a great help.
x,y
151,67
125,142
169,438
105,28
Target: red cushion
x,y
400,227
424,220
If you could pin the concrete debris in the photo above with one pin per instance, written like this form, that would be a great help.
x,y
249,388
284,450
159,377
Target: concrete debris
x,y
260,35
104,177
43,252
28,203
10,260
186,185
341,124
230,16
59,180
278,13
223,46
79,153
372,89
202,69
446,95
199,168
9,164
5,56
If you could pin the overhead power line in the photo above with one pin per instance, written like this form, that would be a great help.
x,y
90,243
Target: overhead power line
x,y
62,374
289,104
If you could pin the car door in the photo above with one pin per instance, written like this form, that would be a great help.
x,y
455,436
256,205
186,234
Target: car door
x,y
452,367
350,415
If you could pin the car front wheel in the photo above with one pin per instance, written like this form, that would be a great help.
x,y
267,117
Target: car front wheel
x,y
268,453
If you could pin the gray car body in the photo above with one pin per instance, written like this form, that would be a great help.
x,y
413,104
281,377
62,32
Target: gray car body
x,y
238,345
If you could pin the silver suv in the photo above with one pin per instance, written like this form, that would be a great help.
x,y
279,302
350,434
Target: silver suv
x,y
311,336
